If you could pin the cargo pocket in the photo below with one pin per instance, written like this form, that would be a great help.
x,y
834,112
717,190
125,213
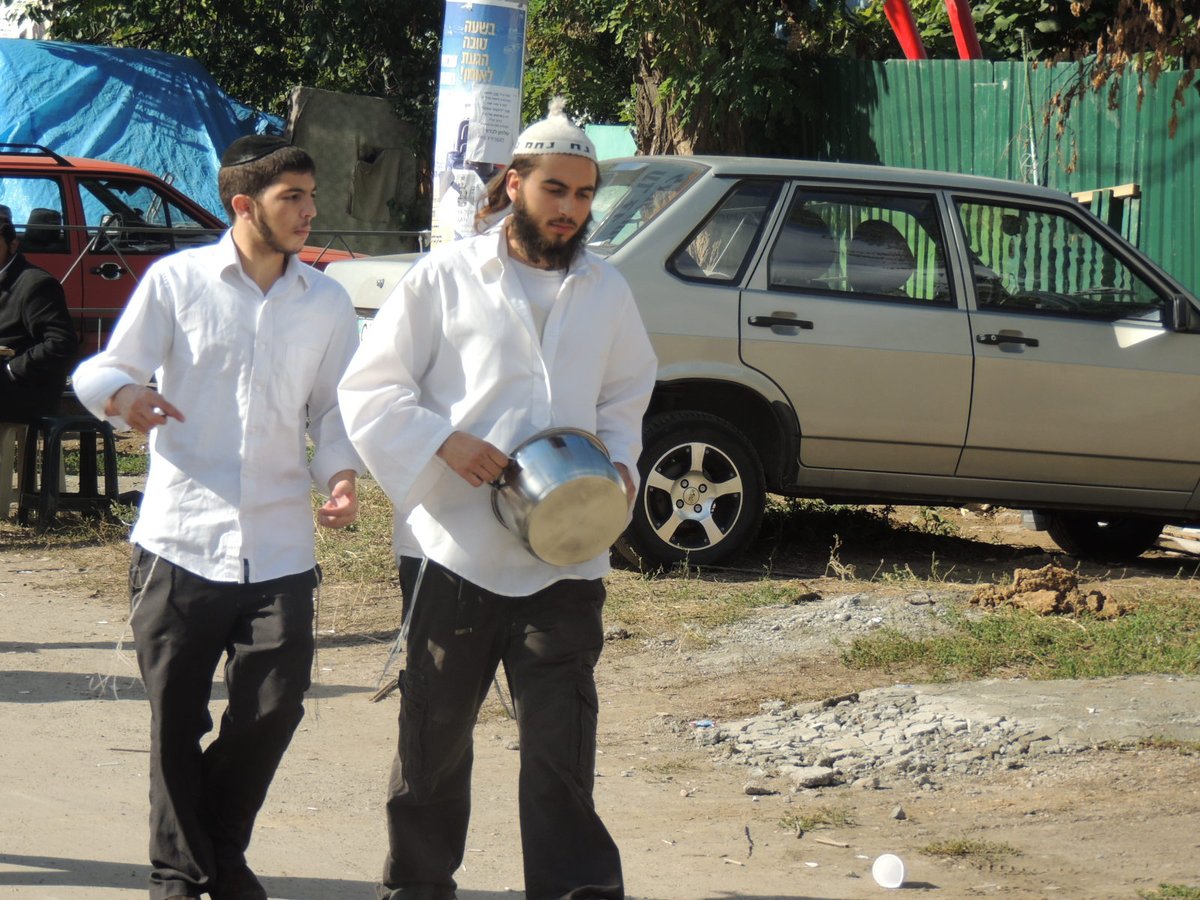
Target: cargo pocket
x,y
413,706
587,716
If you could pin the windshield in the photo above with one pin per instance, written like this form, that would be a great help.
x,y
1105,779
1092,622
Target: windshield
x,y
632,192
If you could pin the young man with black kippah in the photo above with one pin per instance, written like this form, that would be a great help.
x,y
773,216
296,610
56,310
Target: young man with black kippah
x,y
486,342
247,345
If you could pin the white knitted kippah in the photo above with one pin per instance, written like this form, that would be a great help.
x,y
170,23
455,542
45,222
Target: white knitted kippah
x,y
555,134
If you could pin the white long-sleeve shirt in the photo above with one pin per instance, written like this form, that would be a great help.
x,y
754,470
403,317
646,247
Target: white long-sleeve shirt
x,y
228,493
455,348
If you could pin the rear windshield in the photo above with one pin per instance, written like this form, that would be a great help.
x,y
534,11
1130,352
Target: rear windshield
x,y
632,192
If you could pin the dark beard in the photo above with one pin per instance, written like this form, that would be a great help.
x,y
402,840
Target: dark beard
x,y
268,237
541,251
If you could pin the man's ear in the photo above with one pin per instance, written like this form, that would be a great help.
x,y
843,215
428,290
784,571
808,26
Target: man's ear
x,y
512,183
242,205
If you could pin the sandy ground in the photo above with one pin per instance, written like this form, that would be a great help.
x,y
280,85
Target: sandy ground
x,y
73,781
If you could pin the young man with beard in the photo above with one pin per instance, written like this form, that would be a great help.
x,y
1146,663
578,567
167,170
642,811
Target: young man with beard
x,y
486,342
247,344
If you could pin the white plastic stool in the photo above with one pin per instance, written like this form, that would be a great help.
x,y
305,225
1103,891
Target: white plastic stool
x,y
12,451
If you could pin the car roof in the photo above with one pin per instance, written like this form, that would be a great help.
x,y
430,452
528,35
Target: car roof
x,y
55,162
752,166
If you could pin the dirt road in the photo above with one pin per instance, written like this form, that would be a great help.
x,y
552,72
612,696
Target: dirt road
x,y
1095,824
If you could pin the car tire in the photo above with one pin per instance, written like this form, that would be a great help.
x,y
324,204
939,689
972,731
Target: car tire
x,y
701,499
1113,539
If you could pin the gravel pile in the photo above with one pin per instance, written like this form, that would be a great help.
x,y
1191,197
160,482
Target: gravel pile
x,y
879,736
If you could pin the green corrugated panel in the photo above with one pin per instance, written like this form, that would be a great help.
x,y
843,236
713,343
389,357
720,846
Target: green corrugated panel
x,y
973,117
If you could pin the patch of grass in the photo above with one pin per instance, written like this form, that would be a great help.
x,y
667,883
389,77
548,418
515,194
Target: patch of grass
x,y
1162,742
361,552
976,852
1160,636
669,767
359,594
127,463
1171,892
820,817
690,601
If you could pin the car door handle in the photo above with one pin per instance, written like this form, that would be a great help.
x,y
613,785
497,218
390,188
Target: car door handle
x,y
994,339
109,271
777,321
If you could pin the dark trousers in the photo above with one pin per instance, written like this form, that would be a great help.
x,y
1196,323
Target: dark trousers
x,y
27,403
203,804
549,643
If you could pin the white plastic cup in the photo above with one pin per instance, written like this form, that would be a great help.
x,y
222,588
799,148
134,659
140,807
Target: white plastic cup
x,y
888,870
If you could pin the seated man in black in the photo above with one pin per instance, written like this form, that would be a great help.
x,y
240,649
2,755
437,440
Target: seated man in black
x,y
37,340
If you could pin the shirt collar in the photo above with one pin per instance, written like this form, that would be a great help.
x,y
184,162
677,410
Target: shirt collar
x,y
229,261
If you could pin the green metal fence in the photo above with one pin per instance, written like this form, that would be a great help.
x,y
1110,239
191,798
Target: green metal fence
x,y
988,118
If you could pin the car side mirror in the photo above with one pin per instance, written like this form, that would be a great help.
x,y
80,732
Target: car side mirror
x,y
1181,316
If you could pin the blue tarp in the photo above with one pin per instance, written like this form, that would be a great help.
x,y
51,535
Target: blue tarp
x,y
157,111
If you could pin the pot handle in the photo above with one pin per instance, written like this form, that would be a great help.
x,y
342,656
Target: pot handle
x,y
511,471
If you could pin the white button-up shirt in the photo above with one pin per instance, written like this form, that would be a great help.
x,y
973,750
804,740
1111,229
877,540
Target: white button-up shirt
x,y
228,492
455,348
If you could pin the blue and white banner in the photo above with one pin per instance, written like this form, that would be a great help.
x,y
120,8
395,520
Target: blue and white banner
x,y
479,107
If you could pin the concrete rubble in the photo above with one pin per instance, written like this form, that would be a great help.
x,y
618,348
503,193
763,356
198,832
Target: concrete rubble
x,y
924,733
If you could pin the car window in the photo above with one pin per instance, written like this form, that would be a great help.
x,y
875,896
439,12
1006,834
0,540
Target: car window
x,y
866,246
631,194
1044,261
35,207
133,217
719,249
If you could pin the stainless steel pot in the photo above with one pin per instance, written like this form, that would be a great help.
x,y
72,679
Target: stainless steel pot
x,y
562,496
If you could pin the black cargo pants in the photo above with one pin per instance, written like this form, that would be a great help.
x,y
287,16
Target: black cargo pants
x,y
549,643
203,804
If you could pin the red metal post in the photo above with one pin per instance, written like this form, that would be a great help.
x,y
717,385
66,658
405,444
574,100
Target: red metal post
x,y
900,17
964,29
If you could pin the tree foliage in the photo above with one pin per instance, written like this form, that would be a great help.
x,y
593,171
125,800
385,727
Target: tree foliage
x,y
693,75
258,50
726,76
1143,38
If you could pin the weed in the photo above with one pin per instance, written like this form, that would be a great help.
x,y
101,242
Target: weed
x,y
669,767
1171,892
976,852
840,570
1162,742
930,521
906,577
820,817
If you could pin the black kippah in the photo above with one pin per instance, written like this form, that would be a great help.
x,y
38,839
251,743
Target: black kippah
x,y
251,147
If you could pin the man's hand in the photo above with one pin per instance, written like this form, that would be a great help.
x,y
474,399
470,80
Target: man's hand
x,y
474,459
630,491
141,407
342,506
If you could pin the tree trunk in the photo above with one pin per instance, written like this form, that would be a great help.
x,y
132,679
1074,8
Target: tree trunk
x,y
660,131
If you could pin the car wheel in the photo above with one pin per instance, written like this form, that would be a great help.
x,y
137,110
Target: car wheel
x,y
701,497
1114,539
